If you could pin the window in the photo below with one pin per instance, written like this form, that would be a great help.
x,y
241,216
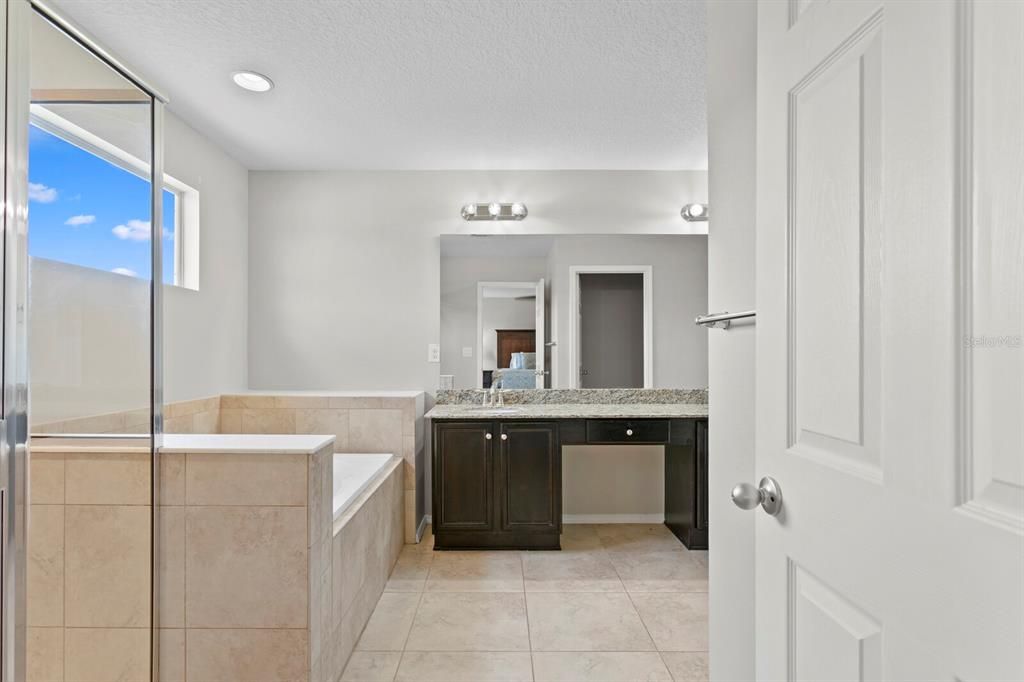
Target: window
x,y
90,205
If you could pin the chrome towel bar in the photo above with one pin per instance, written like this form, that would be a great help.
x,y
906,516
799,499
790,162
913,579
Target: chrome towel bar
x,y
722,320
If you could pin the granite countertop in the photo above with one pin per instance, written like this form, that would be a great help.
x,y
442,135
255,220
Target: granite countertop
x,y
571,411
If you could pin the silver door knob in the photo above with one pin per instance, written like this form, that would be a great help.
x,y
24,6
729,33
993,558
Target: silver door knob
x,y
768,494
504,436
488,436
629,432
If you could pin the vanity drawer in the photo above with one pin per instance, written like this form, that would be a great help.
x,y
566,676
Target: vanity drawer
x,y
628,431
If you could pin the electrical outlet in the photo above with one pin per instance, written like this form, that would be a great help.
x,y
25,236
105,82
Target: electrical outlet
x,y
467,351
433,352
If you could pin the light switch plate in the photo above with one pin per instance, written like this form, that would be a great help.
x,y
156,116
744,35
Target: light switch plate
x,y
467,351
433,352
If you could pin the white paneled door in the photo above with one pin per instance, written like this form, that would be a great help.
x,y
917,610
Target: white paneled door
x,y
890,363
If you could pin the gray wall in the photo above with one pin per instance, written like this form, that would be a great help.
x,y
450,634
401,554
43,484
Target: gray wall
x,y
612,330
346,270
679,274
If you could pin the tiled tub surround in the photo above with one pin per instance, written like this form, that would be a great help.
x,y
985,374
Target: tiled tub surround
x,y
361,421
257,579
366,544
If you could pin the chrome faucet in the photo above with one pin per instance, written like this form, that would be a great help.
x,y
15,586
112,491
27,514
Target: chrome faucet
x,y
494,397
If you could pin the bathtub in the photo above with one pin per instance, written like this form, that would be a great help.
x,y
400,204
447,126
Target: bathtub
x,y
353,474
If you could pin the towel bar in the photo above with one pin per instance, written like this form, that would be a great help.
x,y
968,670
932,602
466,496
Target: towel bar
x,y
722,320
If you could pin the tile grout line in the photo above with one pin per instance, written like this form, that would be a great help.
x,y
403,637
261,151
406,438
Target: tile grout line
x,y
405,643
629,596
526,610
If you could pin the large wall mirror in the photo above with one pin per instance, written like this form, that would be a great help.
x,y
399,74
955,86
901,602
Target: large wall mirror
x,y
573,311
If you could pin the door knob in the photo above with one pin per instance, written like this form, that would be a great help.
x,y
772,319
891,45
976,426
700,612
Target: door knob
x,y
768,494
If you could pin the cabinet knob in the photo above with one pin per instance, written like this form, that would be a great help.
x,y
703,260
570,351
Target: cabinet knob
x,y
629,432
488,436
504,436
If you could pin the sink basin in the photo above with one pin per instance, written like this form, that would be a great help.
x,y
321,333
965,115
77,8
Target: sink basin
x,y
496,410
503,410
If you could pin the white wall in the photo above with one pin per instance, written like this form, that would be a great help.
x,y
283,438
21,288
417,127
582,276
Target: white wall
x,y
80,369
205,351
346,271
732,89
88,340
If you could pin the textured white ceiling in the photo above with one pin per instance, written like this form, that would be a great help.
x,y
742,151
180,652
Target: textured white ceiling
x,y
427,84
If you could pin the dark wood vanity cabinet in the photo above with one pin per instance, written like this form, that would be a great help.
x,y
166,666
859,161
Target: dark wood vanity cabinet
x,y
686,482
497,485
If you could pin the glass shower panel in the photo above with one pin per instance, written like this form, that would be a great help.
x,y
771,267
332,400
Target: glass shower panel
x,y
89,353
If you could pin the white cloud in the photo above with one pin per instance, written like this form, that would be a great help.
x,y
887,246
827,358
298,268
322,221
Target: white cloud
x,y
41,193
137,231
125,271
76,220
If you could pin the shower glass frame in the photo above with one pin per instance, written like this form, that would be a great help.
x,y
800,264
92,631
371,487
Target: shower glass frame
x,y
15,455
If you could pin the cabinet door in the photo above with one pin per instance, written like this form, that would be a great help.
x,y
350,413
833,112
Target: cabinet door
x,y
701,477
529,482
463,476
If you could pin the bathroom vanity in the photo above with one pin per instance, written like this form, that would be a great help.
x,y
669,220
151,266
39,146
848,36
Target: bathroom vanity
x,y
497,471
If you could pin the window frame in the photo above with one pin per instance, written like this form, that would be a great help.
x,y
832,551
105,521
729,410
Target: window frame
x,y
186,198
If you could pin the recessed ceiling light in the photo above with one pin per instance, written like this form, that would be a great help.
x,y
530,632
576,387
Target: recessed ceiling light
x,y
250,80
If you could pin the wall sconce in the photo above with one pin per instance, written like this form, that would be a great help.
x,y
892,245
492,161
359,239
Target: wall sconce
x,y
494,211
695,213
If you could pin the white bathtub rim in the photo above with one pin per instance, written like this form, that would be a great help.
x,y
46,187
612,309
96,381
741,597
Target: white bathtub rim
x,y
361,477
353,508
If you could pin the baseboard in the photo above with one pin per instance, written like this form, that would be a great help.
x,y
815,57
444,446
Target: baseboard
x,y
613,518
422,527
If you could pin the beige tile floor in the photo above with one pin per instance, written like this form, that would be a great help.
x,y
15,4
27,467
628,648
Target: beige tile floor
x,y
619,603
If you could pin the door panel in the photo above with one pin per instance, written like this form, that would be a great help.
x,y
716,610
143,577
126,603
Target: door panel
x,y
890,273
531,471
993,252
463,469
834,269
837,640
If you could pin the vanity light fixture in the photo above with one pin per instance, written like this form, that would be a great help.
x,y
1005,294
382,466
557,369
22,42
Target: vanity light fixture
x,y
252,81
494,211
695,213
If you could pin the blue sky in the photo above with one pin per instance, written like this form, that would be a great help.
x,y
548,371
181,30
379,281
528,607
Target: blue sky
x,y
87,211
